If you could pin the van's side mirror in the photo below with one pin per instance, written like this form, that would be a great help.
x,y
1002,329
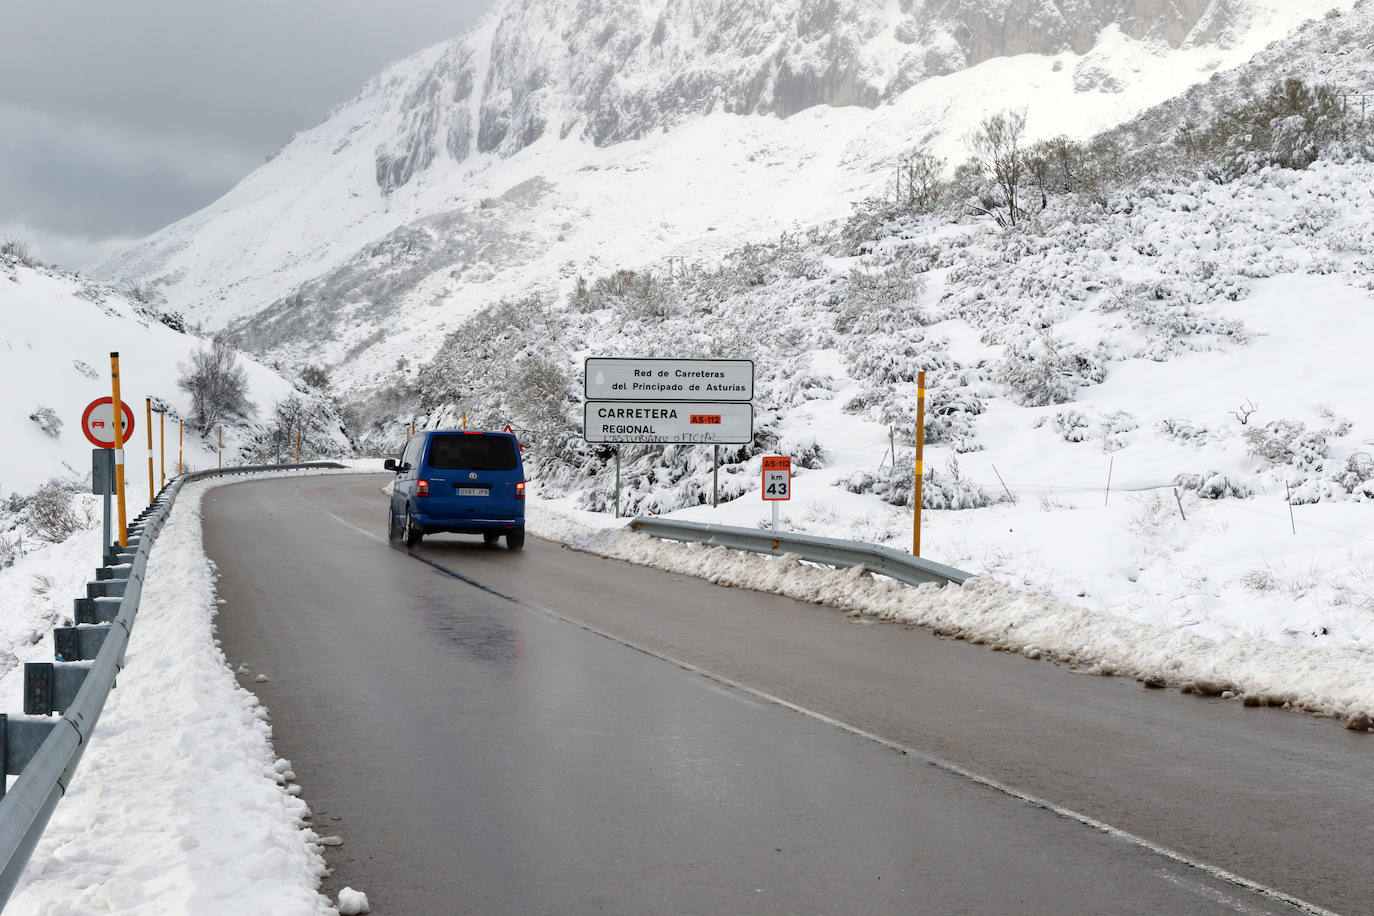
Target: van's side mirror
x,y
389,464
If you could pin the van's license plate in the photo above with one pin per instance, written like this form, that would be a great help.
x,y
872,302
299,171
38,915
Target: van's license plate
x,y
474,491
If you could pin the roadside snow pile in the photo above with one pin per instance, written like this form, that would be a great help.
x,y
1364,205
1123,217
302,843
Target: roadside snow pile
x,y
1333,681
180,804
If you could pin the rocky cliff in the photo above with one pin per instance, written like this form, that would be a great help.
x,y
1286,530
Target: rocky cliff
x,y
613,70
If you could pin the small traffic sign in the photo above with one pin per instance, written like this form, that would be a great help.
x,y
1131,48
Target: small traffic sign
x,y
777,478
98,422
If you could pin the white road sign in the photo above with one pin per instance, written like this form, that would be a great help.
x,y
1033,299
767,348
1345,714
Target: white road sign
x,y
682,422
617,379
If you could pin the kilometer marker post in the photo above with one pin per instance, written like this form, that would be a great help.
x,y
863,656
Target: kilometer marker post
x,y
920,455
118,412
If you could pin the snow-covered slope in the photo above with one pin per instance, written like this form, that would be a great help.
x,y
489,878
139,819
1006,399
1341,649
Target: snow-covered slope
x,y
563,139
59,331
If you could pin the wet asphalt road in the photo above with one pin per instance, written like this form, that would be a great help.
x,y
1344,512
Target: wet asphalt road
x,y
459,717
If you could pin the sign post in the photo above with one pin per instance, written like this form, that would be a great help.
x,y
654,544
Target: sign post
x,y
98,424
119,447
777,482
102,484
669,402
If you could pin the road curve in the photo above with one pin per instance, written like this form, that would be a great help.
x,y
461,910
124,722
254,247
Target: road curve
x,y
457,715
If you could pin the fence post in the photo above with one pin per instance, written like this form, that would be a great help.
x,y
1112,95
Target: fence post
x,y
920,462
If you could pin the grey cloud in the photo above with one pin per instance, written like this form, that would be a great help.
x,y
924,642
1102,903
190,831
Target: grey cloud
x,y
116,119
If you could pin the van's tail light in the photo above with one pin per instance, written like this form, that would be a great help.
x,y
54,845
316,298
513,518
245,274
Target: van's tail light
x,y
520,490
422,488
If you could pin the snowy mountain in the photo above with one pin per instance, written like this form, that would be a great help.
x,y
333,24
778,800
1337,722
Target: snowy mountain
x,y
565,139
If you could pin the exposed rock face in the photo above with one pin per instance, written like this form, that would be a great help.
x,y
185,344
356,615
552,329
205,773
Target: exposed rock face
x,y
613,70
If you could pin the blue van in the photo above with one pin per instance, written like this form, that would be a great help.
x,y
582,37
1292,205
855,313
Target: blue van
x,y
458,480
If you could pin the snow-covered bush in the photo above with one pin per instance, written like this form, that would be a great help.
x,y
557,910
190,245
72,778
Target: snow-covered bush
x,y
1042,370
1290,126
1357,476
305,418
896,484
1213,485
881,297
1183,431
1288,442
1077,426
47,420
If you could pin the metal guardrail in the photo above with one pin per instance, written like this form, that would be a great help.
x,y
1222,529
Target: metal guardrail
x,y
830,551
44,752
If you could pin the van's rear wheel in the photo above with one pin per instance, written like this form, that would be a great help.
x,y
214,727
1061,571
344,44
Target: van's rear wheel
x,y
515,540
412,534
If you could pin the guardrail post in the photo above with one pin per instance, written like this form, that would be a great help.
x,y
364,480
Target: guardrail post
x,y
51,687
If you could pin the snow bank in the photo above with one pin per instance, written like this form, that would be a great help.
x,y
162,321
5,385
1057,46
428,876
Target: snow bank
x,y
180,804
1328,680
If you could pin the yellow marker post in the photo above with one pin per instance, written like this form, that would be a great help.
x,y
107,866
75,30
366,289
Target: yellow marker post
x,y
162,446
920,464
152,491
465,419
180,425
117,408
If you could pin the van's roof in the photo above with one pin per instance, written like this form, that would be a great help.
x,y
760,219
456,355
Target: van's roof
x,y
468,432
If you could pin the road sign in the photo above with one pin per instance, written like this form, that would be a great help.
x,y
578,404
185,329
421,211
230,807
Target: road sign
x,y
777,478
617,379
669,422
98,422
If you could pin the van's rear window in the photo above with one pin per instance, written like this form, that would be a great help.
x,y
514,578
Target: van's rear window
x,y
472,453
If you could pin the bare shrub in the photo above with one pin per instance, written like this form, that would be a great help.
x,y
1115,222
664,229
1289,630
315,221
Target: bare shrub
x,y
16,248
47,420
315,377
919,185
51,517
1000,162
218,387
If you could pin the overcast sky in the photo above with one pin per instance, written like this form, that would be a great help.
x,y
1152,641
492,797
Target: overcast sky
x,y
119,118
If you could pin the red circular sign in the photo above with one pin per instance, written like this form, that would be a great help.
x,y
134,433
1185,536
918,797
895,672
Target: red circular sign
x,y
98,422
